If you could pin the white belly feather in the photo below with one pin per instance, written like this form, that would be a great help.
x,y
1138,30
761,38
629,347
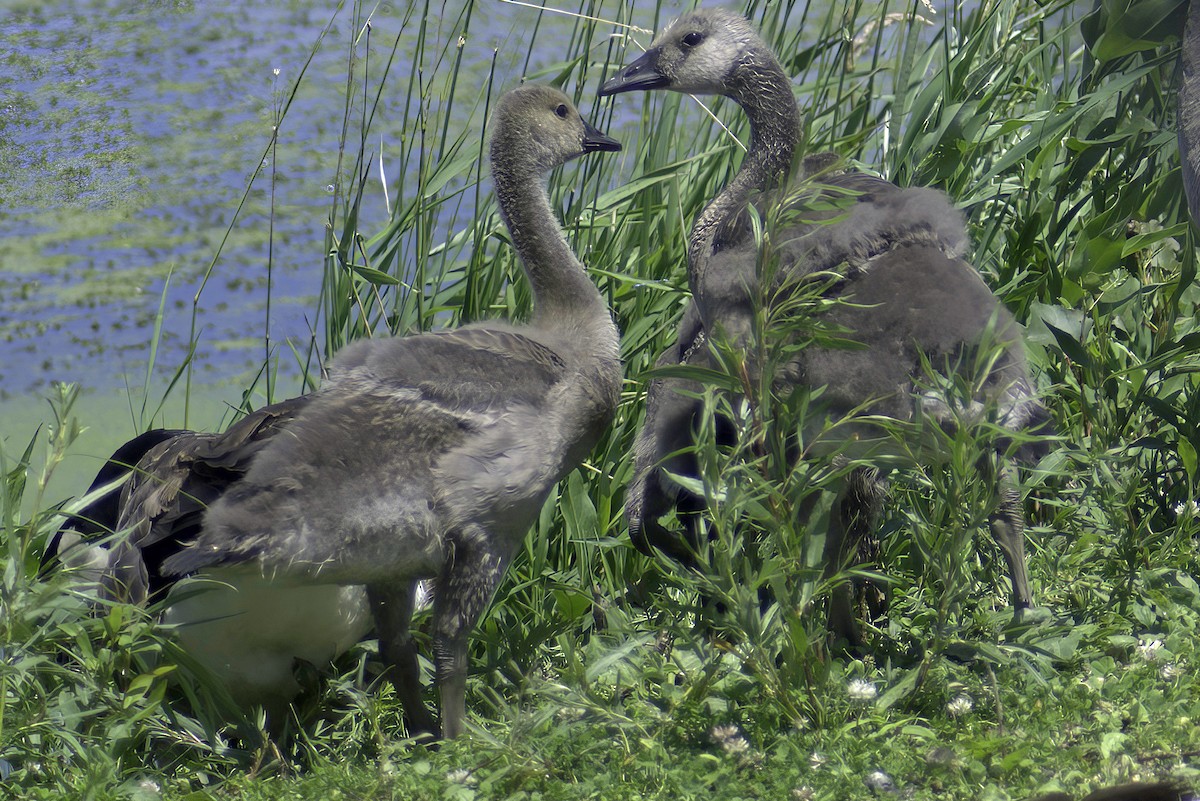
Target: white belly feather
x,y
248,631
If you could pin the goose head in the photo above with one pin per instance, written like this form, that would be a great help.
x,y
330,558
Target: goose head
x,y
536,128
702,52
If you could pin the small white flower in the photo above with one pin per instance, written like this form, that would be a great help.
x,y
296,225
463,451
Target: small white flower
x,y
721,734
275,72
461,776
1191,508
961,704
1148,649
861,691
803,793
736,746
816,760
1169,671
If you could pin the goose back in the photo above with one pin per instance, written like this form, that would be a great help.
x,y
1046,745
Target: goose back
x,y
898,254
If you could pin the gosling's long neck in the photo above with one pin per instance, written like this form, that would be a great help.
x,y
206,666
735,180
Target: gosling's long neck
x,y
760,86
562,292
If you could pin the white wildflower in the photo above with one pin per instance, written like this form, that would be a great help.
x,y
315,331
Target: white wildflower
x,y
461,776
861,691
1190,508
734,744
816,760
960,704
721,734
803,793
275,72
1148,649
1169,671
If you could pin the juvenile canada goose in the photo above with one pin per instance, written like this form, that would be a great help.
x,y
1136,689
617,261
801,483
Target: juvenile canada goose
x,y
900,252
430,456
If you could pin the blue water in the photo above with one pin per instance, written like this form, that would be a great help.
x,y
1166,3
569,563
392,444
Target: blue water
x,y
128,135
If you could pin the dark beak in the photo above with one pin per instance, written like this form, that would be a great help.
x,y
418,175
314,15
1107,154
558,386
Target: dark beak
x,y
640,75
594,141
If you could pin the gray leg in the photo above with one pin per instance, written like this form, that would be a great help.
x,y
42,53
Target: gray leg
x,y
853,523
1007,524
392,608
862,518
473,569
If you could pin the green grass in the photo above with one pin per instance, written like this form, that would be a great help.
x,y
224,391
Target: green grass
x,y
1054,131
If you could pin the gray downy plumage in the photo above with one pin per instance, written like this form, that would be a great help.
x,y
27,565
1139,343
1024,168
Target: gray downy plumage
x,y
898,251
430,456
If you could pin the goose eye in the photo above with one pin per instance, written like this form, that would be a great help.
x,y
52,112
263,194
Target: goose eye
x,y
692,39
561,111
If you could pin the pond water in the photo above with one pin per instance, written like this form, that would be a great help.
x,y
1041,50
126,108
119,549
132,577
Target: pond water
x,y
128,135
129,132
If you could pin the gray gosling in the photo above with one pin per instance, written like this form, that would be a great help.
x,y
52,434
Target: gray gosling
x,y
422,457
901,255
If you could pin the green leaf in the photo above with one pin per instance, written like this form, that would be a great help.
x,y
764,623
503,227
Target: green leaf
x,y
901,689
373,276
1187,455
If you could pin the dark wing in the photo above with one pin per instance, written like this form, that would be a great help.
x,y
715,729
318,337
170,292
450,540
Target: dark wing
x,y
665,444
98,519
173,483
